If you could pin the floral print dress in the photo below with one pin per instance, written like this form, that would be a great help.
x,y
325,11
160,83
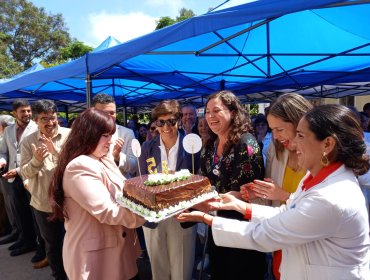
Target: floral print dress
x,y
241,165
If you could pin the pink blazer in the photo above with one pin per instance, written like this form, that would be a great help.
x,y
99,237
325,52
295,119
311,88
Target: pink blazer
x,y
100,241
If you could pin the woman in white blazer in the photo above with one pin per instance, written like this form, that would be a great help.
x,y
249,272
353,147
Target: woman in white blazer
x,y
100,240
323,228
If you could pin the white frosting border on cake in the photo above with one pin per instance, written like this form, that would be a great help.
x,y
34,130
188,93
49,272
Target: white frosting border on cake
x,y
153,216
162,179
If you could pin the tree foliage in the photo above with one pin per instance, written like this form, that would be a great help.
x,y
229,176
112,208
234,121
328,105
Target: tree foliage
x,y
184,14
74,50
31,32
163,22
8,67
167,21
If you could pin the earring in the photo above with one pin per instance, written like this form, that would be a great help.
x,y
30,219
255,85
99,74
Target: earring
x,y
324,160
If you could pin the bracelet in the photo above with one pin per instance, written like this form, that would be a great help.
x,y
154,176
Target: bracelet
x,y
203,218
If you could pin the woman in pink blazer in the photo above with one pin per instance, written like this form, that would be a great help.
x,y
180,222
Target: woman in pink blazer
x,y
100,240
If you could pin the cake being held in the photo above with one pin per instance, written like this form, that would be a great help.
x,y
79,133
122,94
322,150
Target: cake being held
x,y
158,192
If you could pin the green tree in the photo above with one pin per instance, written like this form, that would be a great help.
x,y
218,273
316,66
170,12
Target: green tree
x,y
167,21
253,109
184,14
164,21
74,50
34,34
8,67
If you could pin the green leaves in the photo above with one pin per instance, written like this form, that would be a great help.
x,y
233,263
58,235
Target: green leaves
x,y
167,21
29,34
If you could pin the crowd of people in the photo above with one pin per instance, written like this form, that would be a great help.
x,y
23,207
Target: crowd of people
x,y
292,187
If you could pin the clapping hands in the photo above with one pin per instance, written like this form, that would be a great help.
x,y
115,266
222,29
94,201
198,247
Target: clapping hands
x,y
117,148
41,152
266,189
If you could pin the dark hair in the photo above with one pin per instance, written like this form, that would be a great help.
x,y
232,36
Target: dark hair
x,y
19,103
289,107
83,139
103,98
240,123
366,107
167,107
343,125
43,106
260,119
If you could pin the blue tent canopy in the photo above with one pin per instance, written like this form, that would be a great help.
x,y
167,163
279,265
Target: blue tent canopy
x,y
319,48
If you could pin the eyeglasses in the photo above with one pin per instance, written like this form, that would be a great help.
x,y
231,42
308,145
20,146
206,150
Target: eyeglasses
x,y
169,122
46,120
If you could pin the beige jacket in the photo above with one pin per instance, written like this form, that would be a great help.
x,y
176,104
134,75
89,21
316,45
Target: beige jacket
x,y
39,173
100,241
275,168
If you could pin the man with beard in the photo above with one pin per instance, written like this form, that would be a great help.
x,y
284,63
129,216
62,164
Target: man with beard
x,y
39,155
15,193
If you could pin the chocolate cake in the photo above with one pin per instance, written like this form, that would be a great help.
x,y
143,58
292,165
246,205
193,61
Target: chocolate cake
x,y
162,196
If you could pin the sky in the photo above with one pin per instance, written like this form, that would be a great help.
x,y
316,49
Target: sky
x,y
92,21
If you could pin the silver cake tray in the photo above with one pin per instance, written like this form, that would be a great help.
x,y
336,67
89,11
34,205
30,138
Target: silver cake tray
x,y
153,216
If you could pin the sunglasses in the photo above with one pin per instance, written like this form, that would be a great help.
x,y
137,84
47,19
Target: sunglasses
x,y
169,122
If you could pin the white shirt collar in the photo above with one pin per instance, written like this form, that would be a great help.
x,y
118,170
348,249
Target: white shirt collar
x,y
172,153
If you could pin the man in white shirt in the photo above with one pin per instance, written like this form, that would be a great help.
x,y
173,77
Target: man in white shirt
x,y
121,151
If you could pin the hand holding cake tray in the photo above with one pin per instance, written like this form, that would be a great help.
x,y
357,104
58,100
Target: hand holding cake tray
x,y
158,196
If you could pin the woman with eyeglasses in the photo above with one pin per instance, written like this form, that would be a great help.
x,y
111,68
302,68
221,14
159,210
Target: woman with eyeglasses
x,y
231,160
170,245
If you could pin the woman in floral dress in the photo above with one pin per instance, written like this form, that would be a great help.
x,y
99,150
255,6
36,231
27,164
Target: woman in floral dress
x,y
229,160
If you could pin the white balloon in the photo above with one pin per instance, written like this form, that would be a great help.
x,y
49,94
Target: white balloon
x,y
192,143
136,147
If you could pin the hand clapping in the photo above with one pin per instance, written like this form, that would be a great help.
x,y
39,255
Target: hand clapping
x,y
41,152
117,148
49,144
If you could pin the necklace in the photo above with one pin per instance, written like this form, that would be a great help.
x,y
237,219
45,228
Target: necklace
x,y
216,161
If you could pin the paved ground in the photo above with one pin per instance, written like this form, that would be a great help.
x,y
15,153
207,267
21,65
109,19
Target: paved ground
x,y
20,267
